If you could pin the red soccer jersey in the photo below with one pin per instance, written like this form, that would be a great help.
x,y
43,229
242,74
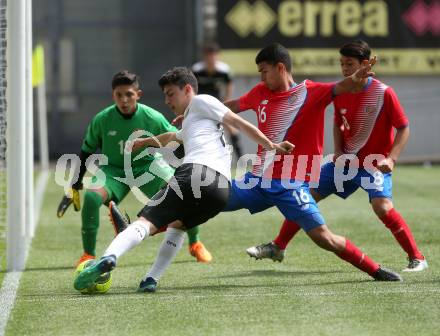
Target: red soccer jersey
x,y
296,115
367,120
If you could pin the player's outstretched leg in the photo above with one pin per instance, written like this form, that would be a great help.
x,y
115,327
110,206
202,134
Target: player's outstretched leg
x,y
88,276
352,254
349,252
123,242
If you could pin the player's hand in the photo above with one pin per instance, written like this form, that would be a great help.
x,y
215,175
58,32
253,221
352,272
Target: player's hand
x,y
365,70
131,146
72,196
284,147
386,165
140,143
177,121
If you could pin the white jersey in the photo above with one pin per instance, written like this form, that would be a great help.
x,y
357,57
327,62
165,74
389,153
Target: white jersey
x,y
202,134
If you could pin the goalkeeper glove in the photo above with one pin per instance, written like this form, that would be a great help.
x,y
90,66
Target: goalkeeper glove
x,y
72,196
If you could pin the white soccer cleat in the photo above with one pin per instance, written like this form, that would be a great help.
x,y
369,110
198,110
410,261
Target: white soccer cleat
x,y
269,251
416,265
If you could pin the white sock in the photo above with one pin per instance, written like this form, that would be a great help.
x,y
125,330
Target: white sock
x,y
127,239
169,248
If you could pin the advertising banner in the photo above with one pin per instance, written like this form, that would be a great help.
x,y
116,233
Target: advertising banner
x,y
404,34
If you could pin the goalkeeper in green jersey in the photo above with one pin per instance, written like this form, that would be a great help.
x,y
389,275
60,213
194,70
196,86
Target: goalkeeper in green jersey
x,y
108,132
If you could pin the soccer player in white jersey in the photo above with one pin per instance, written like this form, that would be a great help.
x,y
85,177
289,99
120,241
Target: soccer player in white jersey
x,y
364,124
200,187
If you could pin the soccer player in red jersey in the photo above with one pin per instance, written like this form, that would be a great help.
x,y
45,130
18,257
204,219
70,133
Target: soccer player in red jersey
x,y
294,112
364,123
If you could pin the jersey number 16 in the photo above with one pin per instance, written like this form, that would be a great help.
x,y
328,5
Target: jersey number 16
x,y
262,114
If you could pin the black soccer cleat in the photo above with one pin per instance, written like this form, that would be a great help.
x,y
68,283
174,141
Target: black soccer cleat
x,y
147,285
119,221
107,264
384,274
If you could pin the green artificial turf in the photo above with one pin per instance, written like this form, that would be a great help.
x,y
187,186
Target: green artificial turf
x,y
311,292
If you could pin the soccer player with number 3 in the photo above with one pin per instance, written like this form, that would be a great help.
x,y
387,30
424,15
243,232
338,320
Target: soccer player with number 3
x,y
295,112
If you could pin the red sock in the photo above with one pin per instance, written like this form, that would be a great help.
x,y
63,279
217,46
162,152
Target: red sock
x,y
357,258
287,231
398,227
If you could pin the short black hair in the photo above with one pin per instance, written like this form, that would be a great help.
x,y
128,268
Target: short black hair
x,y
125,77
179,76
358,49
274,54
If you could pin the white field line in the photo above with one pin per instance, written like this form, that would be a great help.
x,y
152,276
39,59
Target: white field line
x,y
131,296
9,288
8,293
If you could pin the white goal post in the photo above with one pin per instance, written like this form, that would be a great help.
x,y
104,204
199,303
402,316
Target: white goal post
x,y
22,214
18,213
18,82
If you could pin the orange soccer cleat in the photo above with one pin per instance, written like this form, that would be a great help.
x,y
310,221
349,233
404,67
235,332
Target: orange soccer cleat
x,y
199,251
85,257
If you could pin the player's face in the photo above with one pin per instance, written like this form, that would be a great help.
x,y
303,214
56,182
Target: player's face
x,y
210,59
177,99
270,75
349,65
126,97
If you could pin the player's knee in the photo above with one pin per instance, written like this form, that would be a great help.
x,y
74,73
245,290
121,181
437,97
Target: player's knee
x,y
381,206
325,239
176,225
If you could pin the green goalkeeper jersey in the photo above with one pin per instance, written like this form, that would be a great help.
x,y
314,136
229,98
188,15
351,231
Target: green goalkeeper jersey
x,y
109,130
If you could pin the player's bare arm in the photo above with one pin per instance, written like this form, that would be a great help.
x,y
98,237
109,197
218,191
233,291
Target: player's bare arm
x,y
233,105
157,141
350,83
255,134
387,164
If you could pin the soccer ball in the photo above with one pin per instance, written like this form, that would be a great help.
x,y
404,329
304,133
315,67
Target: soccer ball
x,y
101,285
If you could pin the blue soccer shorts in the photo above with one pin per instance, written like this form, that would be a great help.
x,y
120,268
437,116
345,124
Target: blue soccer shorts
x,y
292,198
335,180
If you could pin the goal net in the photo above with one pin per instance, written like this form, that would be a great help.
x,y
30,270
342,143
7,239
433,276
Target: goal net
x,y
3,171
